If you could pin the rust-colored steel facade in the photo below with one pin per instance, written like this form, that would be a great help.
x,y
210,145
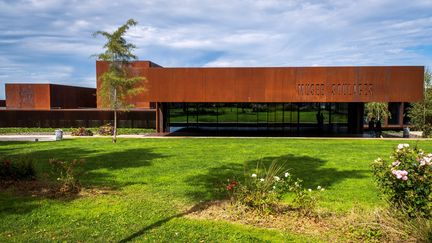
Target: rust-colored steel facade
x,y
49,96
353,85
277,84
29,96
144,118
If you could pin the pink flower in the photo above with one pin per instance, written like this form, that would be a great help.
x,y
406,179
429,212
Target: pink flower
x,y
402,145
400,174
426,160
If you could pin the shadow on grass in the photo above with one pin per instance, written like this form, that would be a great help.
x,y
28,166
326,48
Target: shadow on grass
x,y
212,185
10,204
198,207
102,169
100,165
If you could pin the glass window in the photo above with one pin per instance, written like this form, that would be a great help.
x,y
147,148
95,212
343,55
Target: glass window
x,y
262,110
228,113
290,113
207,112
308,113
246,113
192,112
177,112
339,113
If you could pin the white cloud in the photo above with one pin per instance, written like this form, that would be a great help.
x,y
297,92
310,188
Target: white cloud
x,y
40,39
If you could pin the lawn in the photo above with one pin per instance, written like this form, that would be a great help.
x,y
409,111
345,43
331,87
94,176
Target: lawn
x,y
153,181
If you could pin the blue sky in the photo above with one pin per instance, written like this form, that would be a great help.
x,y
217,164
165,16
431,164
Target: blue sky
x,y
45,41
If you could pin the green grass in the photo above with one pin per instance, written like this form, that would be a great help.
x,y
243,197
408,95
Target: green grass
x,y
155,180
44,130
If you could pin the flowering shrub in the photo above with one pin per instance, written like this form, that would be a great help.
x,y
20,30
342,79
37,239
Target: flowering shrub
x,y
106,130
407,180
263,191
68,173
81,131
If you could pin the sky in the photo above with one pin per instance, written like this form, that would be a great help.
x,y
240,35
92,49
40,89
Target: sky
x,y
50,41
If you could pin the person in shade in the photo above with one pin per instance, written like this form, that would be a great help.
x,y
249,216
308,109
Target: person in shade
x,y
378,129
372,127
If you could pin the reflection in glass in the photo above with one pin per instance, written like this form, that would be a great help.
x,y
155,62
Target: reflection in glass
x,y
262,111
178,112
246,113
207,112
228,113
339,113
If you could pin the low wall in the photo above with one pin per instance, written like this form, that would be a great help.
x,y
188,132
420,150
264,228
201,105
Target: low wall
x,y
76,118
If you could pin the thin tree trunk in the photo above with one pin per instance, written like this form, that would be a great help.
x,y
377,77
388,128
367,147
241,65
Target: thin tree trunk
x,y
114,139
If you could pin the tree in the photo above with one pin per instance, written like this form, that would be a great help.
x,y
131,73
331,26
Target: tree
x,y
118,84
420,113
377,110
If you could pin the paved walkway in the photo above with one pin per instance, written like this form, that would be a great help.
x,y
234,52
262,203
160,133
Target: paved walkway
x,y
33,138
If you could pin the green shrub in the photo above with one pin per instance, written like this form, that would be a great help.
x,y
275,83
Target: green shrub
x,y
406,180
68,174
106,130
17,169
81,131
265,189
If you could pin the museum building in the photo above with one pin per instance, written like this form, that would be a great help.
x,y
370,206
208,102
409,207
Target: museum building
x,y
289,101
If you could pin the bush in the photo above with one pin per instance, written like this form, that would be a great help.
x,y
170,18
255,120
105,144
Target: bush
x,y
106,130
406,180
17,169
81,131
68,174
264,191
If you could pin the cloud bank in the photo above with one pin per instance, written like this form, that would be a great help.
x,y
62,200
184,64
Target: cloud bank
x,y
50,40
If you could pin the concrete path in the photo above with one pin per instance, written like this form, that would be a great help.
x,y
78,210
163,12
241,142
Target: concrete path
x,y
33,138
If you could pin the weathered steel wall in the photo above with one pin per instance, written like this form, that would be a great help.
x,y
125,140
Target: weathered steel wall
x,y
46,96
75,118
71,97
138,66
277,84
27,96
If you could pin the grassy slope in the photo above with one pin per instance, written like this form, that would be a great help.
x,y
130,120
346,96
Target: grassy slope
x,y
156,179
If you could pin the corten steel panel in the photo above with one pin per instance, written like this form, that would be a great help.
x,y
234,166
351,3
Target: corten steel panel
x,y
137,68
282,84
72,97
27,96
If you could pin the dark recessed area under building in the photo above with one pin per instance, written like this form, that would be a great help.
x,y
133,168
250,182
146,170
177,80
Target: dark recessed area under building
x,y
264,119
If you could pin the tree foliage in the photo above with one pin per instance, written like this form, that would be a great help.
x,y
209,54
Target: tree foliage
x,y
377,110
119,83
420,113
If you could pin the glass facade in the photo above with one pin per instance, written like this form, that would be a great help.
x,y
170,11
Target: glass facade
x,y
290,118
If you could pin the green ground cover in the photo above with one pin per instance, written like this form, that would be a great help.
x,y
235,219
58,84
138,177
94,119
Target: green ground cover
x,y
154,181
44,130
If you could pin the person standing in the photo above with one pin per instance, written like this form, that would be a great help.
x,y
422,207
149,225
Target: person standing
x,y
372,127
378,129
